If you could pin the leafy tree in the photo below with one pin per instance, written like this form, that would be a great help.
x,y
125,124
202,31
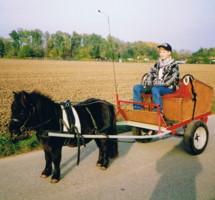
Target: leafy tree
x,y
46,37
36,38
24,37
15,41
37,43
26,51
96,45
129,53
203,56
59,45
76,42
2,48
27,43
83,54
9,48
153,54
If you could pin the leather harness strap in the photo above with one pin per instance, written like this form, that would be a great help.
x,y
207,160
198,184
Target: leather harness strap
x,y
92,119
71,124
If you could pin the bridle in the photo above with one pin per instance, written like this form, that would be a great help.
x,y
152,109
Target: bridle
x,y
25,126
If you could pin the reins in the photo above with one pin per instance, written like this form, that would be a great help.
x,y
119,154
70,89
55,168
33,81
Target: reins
x,y
24,128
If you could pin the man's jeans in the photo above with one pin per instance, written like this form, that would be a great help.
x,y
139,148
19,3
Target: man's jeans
x,y
156,91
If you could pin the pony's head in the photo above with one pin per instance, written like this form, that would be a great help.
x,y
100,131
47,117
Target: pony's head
x,y
22,111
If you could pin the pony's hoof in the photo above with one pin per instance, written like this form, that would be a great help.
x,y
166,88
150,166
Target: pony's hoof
x,y
98,164
103,168
43,176
54,180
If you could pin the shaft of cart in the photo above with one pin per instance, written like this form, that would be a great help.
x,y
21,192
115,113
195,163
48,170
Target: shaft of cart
x,y
100,136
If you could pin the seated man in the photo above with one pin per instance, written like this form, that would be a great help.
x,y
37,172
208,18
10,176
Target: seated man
x,y
162,79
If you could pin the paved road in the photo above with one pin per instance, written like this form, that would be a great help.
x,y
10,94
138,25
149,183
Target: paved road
x,y
158,170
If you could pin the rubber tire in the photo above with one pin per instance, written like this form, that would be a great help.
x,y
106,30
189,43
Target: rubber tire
x,y
189,137
137,131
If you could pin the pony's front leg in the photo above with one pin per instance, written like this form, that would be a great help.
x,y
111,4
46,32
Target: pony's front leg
x,y
48,167
56,159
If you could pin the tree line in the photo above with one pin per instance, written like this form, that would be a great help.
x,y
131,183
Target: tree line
x,y
24,43
36,44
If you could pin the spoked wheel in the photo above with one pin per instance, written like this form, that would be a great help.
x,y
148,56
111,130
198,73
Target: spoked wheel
x,y
143,78
142,132
196,137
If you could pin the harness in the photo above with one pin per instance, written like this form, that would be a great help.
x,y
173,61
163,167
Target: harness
x,y
70,123
92,119
70,117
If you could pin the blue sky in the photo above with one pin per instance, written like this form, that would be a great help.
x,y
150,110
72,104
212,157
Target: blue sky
x,y
185,24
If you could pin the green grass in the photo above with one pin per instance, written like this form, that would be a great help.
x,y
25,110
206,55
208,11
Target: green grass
x,y
7,147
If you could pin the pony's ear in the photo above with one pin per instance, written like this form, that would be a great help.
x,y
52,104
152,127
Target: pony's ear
x,y
24,98
14,93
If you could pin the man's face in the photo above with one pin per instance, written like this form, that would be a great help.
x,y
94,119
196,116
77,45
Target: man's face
x,y
164,54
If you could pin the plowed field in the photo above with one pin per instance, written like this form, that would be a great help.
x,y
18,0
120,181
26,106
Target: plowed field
x,y
77,81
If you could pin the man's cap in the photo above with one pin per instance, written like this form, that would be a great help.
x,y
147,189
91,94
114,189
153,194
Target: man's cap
x,y
165,46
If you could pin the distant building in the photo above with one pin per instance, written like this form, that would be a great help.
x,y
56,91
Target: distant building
x,y
212,59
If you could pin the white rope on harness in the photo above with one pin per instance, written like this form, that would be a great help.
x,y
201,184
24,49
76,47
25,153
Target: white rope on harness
x,y
66,121
77,120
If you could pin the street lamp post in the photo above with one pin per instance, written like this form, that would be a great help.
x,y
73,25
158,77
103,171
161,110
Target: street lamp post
x,y
112,53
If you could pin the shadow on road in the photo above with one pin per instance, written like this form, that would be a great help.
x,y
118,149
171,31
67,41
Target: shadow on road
x,y
71,162
124,147
178,175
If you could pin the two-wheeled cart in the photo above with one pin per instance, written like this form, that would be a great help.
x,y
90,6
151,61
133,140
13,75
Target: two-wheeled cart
x,y
186,109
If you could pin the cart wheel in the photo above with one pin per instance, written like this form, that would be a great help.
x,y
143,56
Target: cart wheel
x,y
196,137
141,131
144,77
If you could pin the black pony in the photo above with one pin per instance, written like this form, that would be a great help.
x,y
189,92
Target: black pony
x,y
34,111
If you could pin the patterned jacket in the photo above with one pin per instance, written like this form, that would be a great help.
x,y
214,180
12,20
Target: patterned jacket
x,y
170,75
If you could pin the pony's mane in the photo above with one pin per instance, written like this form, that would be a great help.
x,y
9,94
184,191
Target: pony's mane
x,y
38,95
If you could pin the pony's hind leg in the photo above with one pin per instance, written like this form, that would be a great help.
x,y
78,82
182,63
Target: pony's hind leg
x,y
99,161
113,148
112,143
103,159
108,148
